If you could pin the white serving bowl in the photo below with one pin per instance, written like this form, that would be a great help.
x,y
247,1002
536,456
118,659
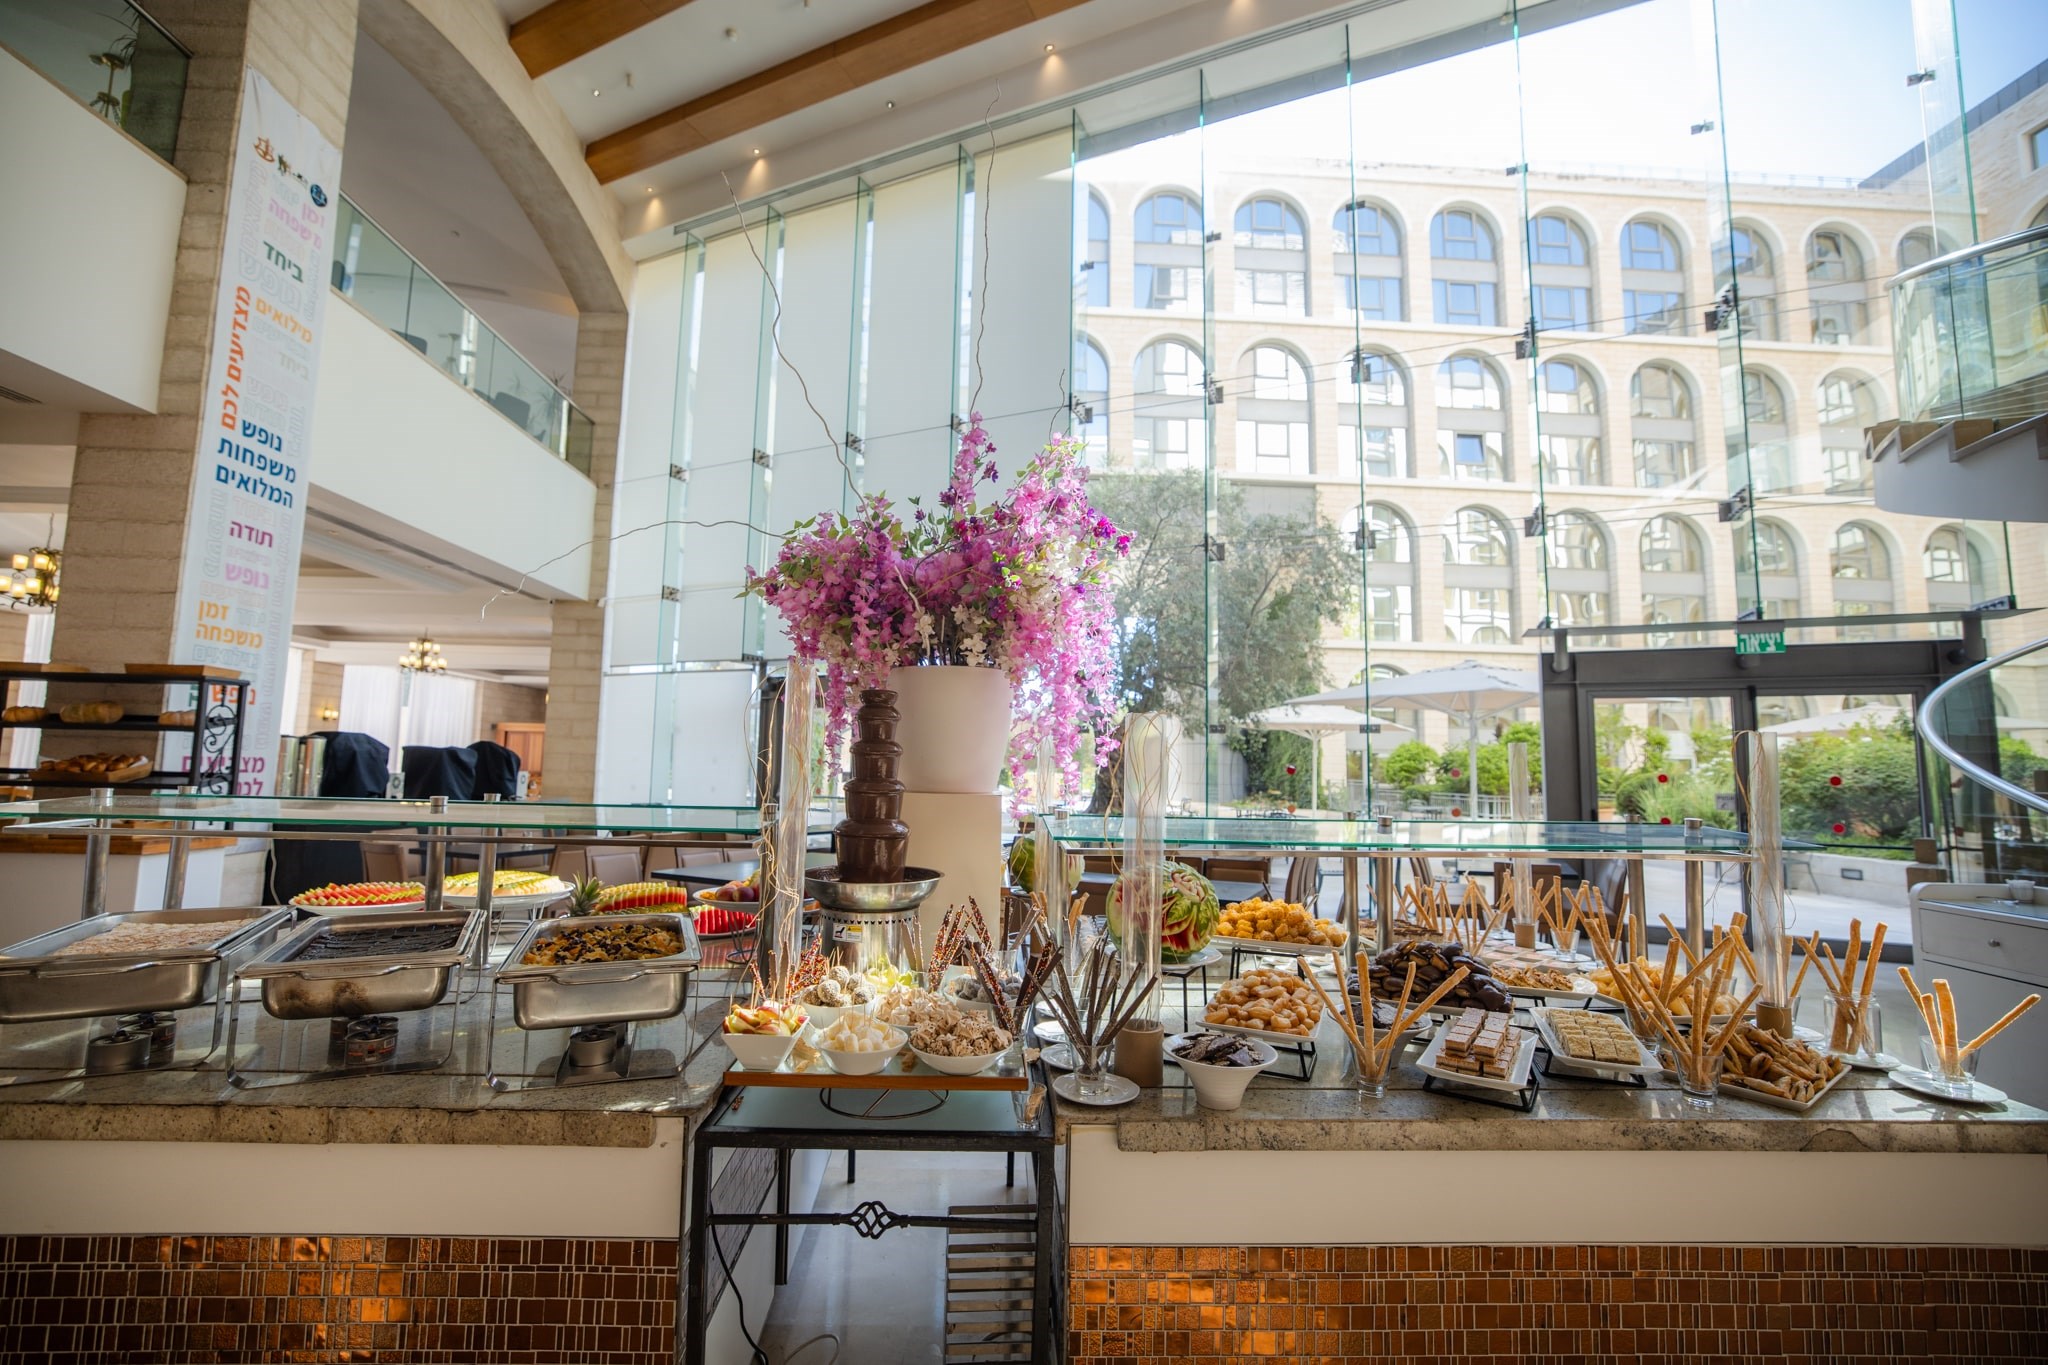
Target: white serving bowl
x,y
1219,1087
823,1017
760,1051
865,1063
958,1066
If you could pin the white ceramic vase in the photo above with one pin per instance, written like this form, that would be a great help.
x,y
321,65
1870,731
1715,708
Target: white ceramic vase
x,y
955,727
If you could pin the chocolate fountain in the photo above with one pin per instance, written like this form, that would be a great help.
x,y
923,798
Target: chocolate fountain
x,y
870,898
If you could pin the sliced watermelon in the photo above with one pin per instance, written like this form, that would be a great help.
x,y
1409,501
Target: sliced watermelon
x,y
357,894
716,919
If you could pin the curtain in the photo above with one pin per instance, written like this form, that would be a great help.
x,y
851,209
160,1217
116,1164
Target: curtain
x,y
441,712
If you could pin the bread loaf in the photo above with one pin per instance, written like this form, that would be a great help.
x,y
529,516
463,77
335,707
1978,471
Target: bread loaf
x,y
91,713
23,715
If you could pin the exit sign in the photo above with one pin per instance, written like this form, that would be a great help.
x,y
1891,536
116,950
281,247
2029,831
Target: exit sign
x,y
1759,642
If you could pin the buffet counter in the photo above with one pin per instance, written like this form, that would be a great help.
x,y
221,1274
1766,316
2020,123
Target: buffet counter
x,y
1424,1226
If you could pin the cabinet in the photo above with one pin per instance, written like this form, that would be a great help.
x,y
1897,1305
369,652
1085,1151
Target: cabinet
x,y
1994,953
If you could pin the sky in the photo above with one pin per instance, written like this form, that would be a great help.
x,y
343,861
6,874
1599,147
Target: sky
x,y
1626,88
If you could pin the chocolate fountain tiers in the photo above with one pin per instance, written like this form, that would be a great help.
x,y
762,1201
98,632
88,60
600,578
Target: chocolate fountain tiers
x,y
873,839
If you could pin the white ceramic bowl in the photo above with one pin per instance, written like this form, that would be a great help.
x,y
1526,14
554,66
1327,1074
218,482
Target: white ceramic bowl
x,y
760,1051
865,1063
960,1002
1219,1087
958,1066
824,1016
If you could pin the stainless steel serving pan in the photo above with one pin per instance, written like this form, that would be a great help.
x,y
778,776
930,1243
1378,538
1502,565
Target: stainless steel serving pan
x,y
575,994
35,985
352,987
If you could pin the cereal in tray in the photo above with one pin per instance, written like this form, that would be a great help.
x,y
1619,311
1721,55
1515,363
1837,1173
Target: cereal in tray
x,y
604,943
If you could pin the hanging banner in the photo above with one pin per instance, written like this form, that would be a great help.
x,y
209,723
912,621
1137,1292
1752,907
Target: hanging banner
x,y
248,512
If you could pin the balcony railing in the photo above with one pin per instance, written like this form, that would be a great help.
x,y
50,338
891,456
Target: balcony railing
x,y
387,283
110,56
1970,332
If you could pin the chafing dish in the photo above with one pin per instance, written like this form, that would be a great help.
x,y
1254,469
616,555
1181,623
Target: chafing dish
x,y
36,985
574,994
296,986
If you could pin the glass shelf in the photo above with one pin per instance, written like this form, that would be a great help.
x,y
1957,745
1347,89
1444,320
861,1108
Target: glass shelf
x,y
1563,837
284,812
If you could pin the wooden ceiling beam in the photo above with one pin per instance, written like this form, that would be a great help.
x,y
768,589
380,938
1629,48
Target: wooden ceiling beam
x,y
897,44
558,34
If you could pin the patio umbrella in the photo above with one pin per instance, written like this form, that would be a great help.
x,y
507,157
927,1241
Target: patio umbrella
x,y
1877,715
1313,722
1469,689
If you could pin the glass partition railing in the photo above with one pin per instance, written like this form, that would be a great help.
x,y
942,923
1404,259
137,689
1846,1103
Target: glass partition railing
x,y
1986,737
382,279
109,55
1970,332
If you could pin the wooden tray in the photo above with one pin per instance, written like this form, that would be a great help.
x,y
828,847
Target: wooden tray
x,y
106,779
922,1078
210,672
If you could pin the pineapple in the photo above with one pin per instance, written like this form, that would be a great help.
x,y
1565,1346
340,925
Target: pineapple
x,y
583,895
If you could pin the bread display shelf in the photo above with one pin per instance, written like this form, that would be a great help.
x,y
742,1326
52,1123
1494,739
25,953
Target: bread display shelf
x,y
130,724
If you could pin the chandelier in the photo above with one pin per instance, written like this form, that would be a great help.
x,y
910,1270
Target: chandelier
x,y
33,579
422,656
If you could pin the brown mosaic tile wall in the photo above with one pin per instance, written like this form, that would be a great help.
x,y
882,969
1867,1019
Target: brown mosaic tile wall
x,y
421,1300
1477,1305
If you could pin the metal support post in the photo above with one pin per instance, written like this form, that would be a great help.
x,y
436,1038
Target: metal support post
x,y
98,844
1695,892
174,865
1638,896
437,857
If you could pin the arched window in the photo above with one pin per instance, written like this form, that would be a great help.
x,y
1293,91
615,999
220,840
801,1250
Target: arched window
x,y
1560,274
1835,288
1848,404
1465,270
1393,712
1272,258
1091,394
1652,279
1777,568
1569,425
1748,261
1479,578
1917,248
1661,427
1166,254
1168,408
1767,419
1272,415
1094,290
1372,417
1673,558
1861,568
1387,541
1368,262
1471,423
1581,577
1954,567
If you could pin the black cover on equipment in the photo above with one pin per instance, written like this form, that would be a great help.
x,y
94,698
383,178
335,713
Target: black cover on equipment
x,y
357,765
497,770
439,772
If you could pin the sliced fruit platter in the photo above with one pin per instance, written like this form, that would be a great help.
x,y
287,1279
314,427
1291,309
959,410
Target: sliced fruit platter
x,y
357,895
718,921
511,889
746,891
633,897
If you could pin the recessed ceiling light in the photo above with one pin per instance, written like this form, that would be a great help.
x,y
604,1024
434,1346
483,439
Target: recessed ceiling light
x,y
1048,47
595,93
888,104
650,189
757,151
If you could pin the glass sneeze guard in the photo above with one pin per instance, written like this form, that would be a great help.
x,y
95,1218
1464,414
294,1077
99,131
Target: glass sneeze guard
x,y
290,811
1087,832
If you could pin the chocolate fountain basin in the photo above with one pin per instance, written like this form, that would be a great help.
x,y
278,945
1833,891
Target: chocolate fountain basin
x,y
824,885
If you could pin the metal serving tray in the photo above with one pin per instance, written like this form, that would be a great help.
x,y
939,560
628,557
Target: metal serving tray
x,y
581,993
350,988
36,986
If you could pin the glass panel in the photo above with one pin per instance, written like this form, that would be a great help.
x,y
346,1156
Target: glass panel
x,y
1418,836
109,56
293,811
913,317
382,279
1662,760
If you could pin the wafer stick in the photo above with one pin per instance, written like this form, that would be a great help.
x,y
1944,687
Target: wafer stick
x,y
1673,936
1343,1016
1444,988
1870,967
1945,1001
2006,1019
1805,961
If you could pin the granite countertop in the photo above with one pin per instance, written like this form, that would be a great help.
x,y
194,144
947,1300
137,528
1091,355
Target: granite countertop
x,y
1862,1114
454,1104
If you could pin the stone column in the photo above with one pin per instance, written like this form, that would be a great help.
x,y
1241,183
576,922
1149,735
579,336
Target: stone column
x,y
132,480
576,647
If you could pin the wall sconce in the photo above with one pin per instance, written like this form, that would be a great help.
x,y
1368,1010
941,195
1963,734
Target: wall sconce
x,y
330,713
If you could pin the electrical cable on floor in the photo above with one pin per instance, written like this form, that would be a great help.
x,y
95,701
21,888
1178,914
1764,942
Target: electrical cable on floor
x,y
760,1356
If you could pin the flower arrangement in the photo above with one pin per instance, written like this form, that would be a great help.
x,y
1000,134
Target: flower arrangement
x,y
1019,584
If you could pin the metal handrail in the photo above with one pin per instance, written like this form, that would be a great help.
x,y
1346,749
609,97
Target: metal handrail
x,y
1972,253
1931,707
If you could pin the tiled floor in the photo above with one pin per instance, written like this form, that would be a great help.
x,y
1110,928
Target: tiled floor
x,y
881,1298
